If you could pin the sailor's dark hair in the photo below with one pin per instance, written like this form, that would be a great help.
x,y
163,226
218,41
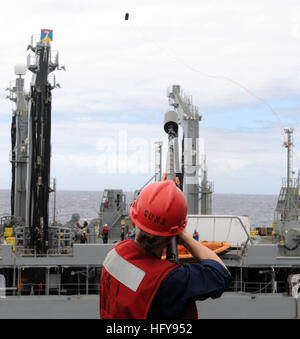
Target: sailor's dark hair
x,y
148,241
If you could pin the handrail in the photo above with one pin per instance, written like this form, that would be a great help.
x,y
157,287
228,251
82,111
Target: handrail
x,y
76,288
31,253
117,214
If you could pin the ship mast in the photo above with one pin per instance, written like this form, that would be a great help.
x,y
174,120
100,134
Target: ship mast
x,y
189,120
39,133
287,213
289,177
19,130
31,145
289,146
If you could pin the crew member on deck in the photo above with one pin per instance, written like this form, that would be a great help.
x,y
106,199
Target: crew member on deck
x,y
135,283
122,236
83,238
196,235
105,234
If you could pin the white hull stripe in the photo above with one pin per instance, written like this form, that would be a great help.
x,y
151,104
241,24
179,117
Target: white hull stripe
x,y
122,270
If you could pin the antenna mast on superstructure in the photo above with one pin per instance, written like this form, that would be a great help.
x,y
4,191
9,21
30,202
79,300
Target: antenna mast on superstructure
x,y
158,160
290,183
206,190
41,63
19,140
289,146
286,225
189,118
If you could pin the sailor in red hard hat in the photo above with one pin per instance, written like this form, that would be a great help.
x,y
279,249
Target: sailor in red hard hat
x,y
136,283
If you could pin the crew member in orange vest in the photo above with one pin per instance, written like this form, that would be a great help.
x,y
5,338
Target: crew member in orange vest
x,y
196,235
105,234
122,233
135,283
83,238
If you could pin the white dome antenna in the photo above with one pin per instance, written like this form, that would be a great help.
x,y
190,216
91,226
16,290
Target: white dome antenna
x,y
20,69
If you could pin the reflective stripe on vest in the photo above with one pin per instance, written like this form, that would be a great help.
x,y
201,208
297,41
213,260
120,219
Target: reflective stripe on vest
x,y
124,271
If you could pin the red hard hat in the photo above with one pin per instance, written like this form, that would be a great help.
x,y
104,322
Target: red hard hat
x,y
160,209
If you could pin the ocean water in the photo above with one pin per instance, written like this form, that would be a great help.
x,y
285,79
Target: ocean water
x,y
260,208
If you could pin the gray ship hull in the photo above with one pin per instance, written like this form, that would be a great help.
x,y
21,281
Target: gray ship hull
x,y
84,304
229,306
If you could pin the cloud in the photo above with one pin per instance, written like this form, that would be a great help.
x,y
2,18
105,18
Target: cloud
x,y
247,161
118,72
249,42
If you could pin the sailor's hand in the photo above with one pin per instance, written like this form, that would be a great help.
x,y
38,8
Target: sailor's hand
x,y
183,237
164,177
177,181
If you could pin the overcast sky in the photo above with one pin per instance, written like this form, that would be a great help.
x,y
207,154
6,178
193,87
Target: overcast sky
x,y
110,108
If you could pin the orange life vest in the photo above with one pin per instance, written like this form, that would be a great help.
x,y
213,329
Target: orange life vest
x,y
130,280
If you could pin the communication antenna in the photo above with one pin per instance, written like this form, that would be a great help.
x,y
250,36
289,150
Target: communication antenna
x,y
289,146
158,158
20,69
